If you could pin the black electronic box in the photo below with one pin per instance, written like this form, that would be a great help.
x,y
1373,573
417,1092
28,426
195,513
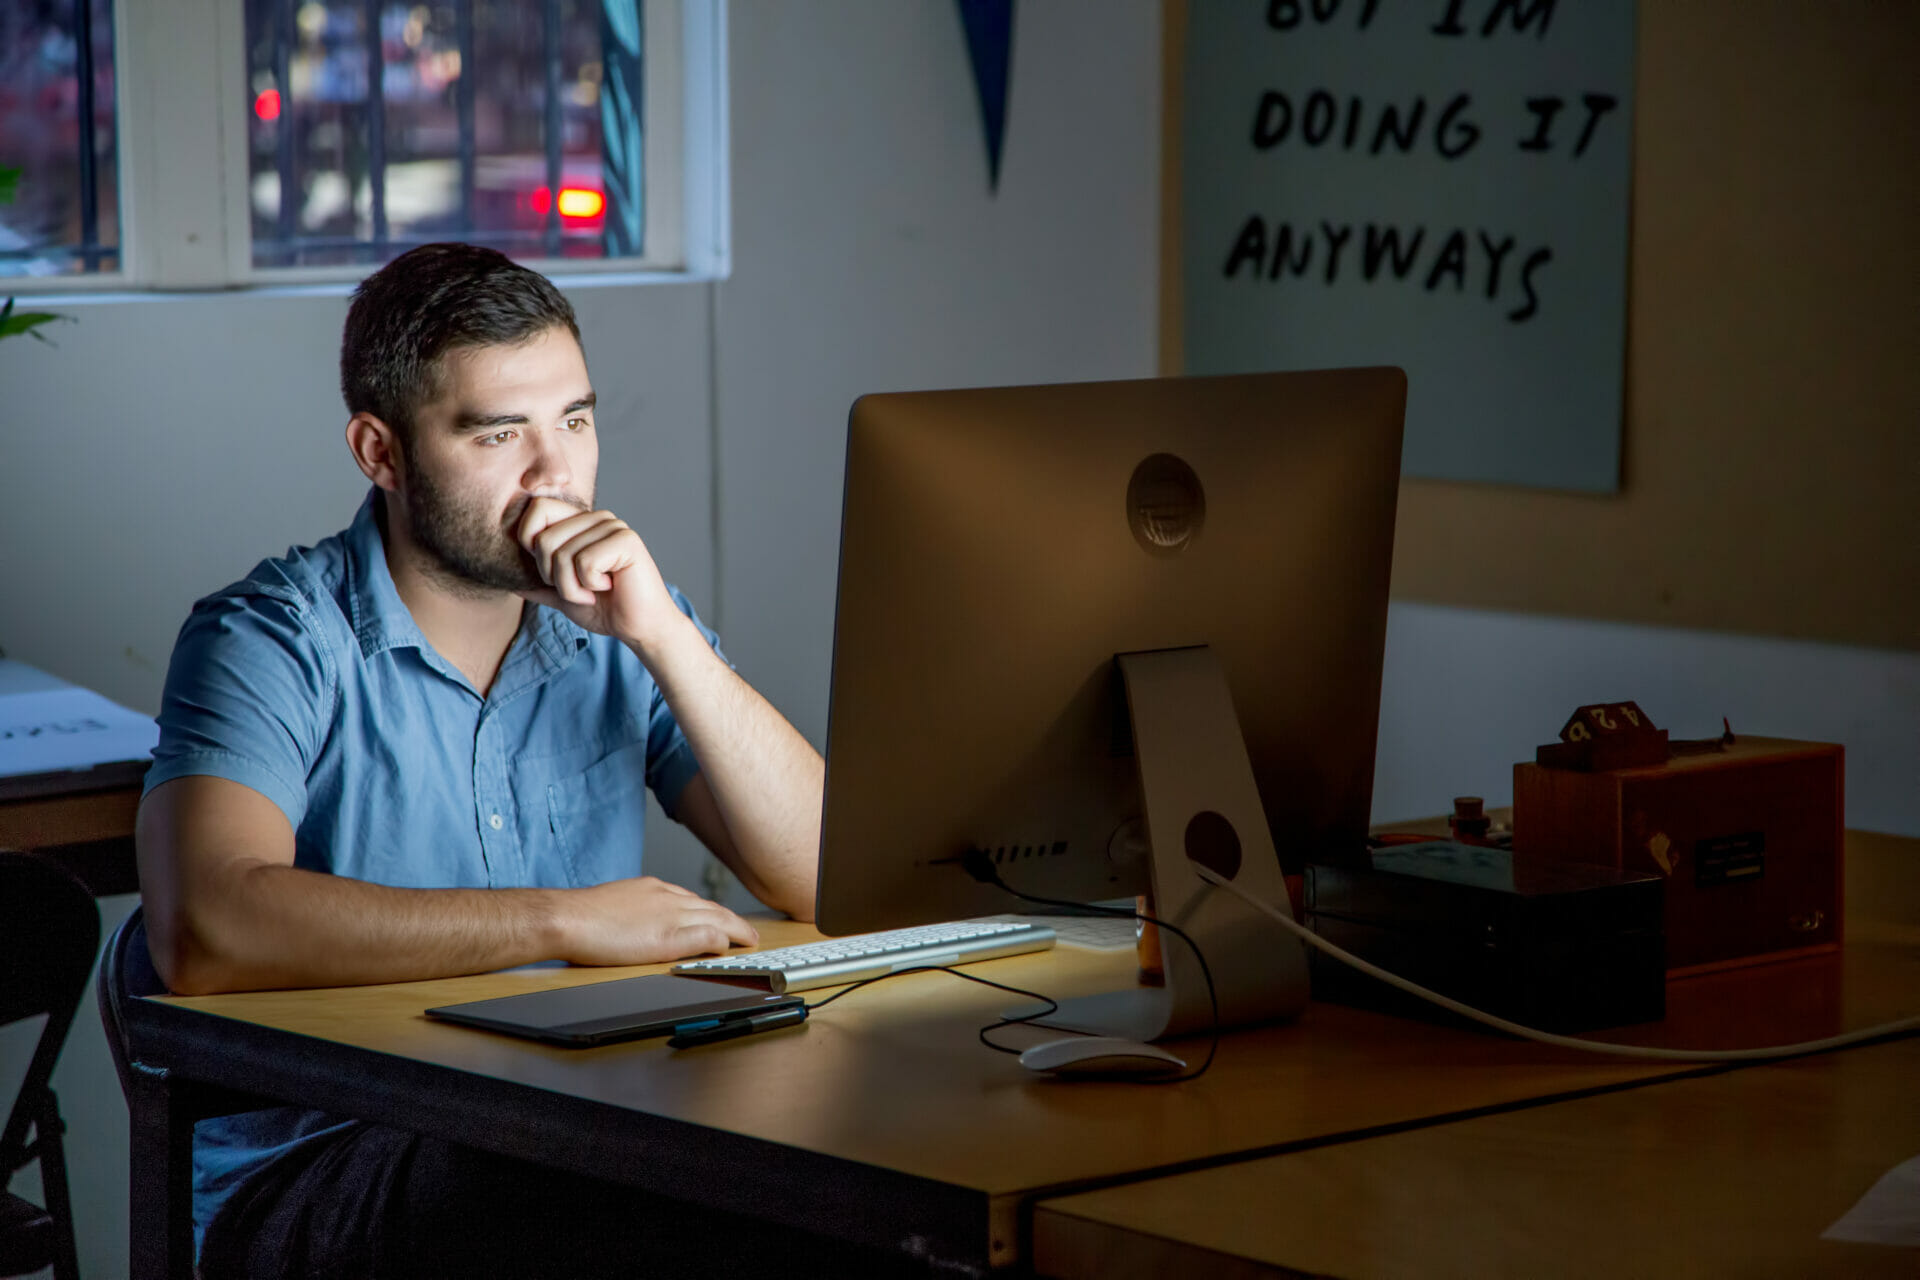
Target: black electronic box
x,y
1557,946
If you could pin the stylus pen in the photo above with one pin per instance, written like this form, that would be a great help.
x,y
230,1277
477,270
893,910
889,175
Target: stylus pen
x,y
690,1034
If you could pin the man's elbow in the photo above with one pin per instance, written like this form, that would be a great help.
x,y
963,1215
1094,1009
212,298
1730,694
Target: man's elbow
x,y
196,978
184,962
796,900
178,964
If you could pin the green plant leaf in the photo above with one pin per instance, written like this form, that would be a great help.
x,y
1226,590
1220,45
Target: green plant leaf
x,y
27,322
13,324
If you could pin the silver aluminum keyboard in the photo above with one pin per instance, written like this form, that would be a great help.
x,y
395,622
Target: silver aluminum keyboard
x,y
870,955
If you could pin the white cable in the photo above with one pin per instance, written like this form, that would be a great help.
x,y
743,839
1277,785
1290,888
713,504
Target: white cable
x,y
1547,1037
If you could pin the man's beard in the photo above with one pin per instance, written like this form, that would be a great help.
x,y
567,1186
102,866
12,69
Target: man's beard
x,y
467,551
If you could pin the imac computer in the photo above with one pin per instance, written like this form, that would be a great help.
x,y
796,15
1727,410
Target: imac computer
x,y
1101,632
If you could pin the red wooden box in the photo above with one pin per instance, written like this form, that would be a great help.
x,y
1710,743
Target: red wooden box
x,y
1748,840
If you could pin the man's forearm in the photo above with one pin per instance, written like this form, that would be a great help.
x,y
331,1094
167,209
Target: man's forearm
x,y
227,909
765,777
270,926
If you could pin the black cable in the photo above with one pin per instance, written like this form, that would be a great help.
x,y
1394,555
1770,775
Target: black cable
x,y
978,865
1053,1006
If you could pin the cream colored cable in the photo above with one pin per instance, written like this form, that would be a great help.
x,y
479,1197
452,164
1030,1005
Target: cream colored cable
x,y
1547,1037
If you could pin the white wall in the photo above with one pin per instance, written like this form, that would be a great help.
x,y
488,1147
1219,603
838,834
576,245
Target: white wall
x,y
1468,692
870,256
166,445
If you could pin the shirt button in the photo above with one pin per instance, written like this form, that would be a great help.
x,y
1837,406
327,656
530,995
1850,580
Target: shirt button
x,y
494,822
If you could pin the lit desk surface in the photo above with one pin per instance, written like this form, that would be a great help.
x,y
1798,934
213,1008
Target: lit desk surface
x,y
882,1120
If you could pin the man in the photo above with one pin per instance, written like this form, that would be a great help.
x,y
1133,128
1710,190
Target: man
x,y
421,748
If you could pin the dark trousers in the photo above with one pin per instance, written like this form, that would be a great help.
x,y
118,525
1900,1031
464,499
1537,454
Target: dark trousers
x,y
378,1202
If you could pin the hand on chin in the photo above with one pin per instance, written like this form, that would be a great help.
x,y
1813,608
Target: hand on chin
x,y
595,569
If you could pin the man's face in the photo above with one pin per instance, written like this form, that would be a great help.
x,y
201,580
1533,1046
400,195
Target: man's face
x,y
512,423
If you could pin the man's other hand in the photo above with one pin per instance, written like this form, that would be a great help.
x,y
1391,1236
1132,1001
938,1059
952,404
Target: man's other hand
x,y
645,921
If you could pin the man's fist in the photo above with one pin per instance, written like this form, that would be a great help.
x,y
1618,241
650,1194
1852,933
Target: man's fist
x,y
597,570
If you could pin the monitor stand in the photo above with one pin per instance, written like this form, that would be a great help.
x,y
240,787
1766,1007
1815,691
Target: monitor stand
x,y
1202,805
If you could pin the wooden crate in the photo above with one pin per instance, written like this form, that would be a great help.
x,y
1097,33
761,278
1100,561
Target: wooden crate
x,y
1748,840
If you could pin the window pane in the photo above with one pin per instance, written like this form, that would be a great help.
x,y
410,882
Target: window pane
x,y
489,125
56,128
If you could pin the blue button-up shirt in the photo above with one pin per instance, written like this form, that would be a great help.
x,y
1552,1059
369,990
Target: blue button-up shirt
x,y
309,682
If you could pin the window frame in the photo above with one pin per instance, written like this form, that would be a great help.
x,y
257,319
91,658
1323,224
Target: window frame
x,y
186,222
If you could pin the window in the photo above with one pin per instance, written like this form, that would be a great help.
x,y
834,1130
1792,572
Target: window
x,y
59,196
293,141
368,130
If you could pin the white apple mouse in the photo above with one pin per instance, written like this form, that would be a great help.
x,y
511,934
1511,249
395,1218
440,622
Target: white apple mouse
x,y
1100,1056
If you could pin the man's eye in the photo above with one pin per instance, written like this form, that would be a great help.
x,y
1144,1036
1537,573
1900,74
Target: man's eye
x,y
579,424
498,437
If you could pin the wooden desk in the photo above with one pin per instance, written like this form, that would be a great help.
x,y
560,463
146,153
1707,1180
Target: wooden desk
x,y
1732,1175
87,829
888,1102
77,816
884,1100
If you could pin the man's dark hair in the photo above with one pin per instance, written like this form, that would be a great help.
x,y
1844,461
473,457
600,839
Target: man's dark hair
x,y
431,301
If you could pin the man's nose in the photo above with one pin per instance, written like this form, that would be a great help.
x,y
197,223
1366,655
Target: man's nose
x,y
548,470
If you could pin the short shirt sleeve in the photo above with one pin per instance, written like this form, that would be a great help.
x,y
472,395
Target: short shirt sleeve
x,y
671,764
249,695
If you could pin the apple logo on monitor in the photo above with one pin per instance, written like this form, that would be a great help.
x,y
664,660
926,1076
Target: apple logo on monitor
x,y
1166,507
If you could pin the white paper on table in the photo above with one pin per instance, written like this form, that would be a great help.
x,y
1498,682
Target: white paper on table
x,y
46,730
1888,1214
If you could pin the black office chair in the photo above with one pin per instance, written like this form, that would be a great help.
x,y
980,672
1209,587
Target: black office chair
x,y
49,931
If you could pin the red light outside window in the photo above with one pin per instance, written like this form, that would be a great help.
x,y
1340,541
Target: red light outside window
x,y
581,202
575,202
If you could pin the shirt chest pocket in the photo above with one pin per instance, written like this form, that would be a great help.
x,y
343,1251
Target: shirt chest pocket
x,y
599,817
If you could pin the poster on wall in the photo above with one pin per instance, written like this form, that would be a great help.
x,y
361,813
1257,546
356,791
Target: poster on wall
x,y
1436,184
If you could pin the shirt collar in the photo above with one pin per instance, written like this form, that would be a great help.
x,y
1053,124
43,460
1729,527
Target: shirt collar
x,y
381,619
547,642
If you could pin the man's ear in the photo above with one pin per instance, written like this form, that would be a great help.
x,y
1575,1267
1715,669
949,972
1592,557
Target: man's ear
x,y
376,450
